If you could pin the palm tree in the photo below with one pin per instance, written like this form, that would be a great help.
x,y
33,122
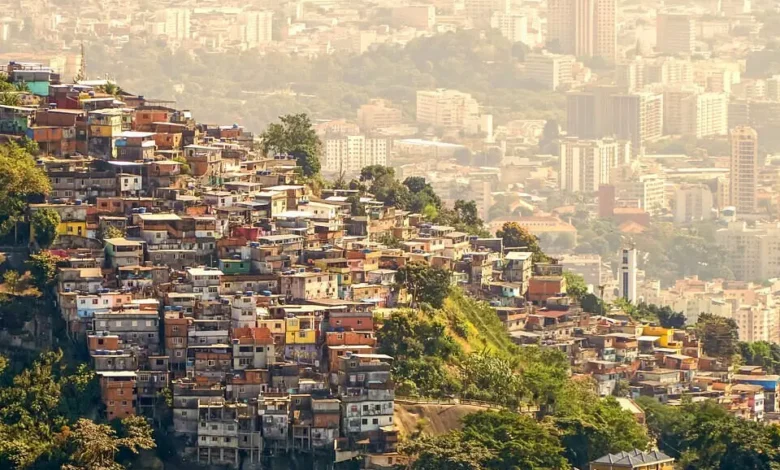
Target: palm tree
x,y
111,88
21,86
9,99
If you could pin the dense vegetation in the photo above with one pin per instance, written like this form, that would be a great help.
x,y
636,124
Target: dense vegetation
x,y
254,89
704,436
463,350
414,194
42,424
21,182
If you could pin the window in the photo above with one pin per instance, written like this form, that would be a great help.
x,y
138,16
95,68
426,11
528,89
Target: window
x,y
365,407
365,421
259,349
375,421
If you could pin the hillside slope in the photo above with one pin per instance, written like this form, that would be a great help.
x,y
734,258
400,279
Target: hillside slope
x,y
437,419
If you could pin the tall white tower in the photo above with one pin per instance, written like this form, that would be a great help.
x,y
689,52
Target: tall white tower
x,y
627,274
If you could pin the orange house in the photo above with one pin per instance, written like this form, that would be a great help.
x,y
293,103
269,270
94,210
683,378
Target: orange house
x,y
144,118
541,288
118,391
106,342
167,141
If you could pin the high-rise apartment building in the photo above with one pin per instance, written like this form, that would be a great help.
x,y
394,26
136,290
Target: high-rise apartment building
x,y
640,72
350,154
446,108
586,164
752,253
638,117
176,22
259,27
378,113
757,323
773,88
513,26
744,169
585,28
676,33
589,113
553,71
693,202
692,113
648,191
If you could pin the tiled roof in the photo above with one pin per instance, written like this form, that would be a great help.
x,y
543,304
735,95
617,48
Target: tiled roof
x,y
634,458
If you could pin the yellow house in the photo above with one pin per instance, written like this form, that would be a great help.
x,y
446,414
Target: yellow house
x,y
277,327
634,460
666,335
73,218
300,330
105,123
76,228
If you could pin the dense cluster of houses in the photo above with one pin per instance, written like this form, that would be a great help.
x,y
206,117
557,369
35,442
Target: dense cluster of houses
x,y
208,281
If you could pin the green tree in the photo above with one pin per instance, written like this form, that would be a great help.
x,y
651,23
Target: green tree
x,y
592,304
43,269
185,167
447,452
110,88
489,378
705,436
761,353
12,279
592,427
518,441
20,181
44,224
575,285
515,235
30,146
667,317
294,135
107,232
96,446
424,283
10,99
719,335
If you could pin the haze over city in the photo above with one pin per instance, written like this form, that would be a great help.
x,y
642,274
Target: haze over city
x,y
372,234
